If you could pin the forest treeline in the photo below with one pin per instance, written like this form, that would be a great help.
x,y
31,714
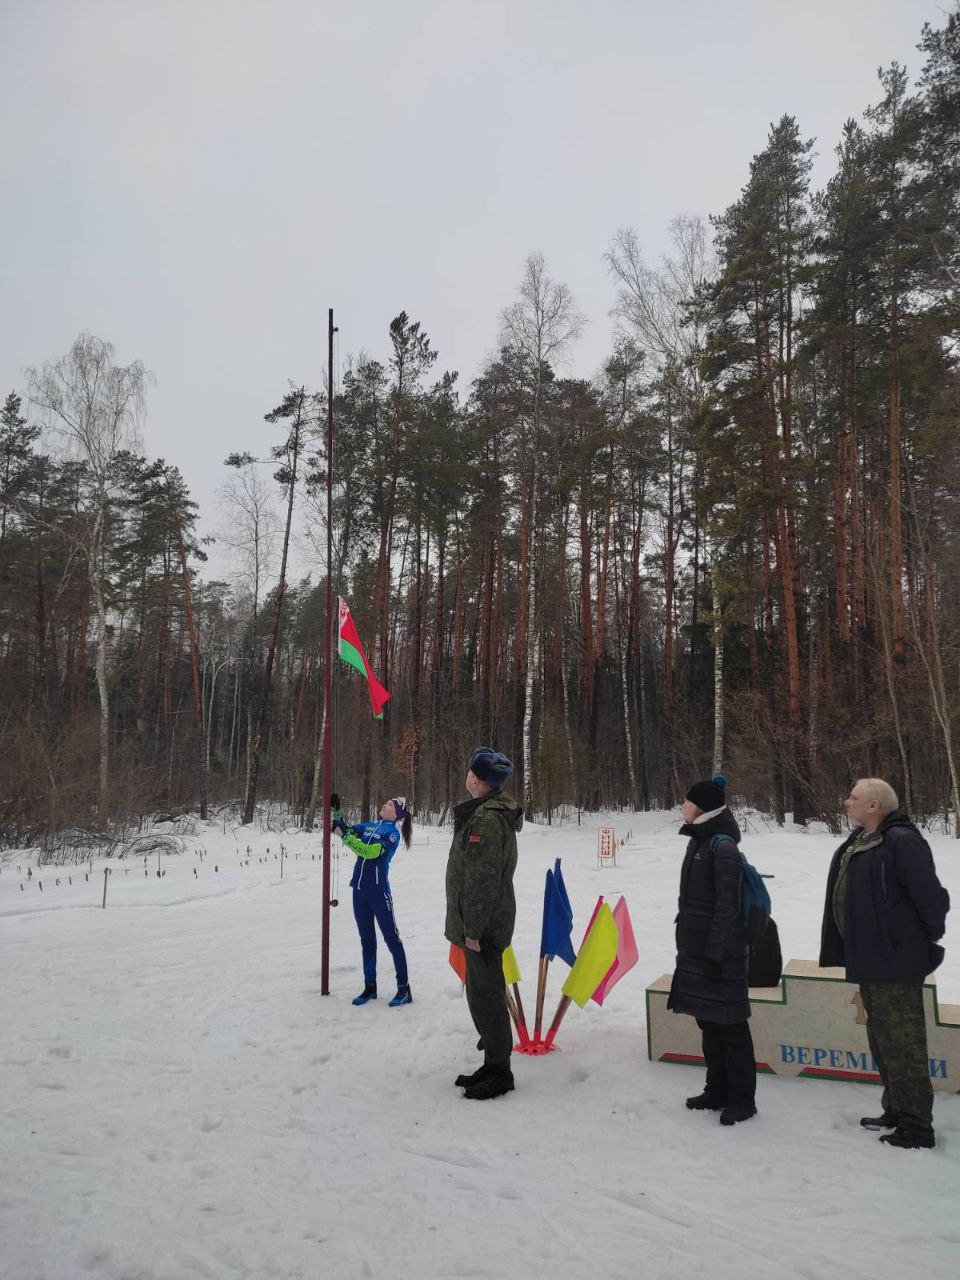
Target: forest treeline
x,y
736,547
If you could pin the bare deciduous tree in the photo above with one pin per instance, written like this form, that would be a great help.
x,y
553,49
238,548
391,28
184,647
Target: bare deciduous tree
x,y
251,528
97,405
656,307
540,326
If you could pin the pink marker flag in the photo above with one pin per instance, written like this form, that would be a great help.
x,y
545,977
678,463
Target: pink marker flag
x,y
596,912
626,952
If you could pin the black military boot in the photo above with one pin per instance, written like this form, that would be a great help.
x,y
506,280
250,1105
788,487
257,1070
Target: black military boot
x,y
910,1139
705,1102
496,1082
474,1077
887,1121
733,1114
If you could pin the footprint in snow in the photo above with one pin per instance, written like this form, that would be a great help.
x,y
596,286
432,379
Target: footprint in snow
x,y
460,1159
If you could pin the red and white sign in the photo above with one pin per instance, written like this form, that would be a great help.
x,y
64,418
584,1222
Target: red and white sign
x,y
606,848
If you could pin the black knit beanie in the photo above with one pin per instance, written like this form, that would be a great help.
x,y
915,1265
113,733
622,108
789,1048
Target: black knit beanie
x,y
708,794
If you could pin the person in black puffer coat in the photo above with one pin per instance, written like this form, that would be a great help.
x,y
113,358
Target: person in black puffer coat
x,y
710,980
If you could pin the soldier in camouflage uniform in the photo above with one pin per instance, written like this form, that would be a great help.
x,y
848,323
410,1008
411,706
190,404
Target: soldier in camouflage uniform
x,y
885,910
481,910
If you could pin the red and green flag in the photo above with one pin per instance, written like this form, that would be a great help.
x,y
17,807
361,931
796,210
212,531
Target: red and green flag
x,y
351,651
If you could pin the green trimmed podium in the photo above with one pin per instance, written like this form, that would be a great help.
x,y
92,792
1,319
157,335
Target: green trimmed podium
x,y
812,1026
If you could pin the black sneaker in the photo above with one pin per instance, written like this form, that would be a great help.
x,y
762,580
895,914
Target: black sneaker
x,y
910,1139
474,1077
493,1085
704,1102
887,1121
733,1114
368,993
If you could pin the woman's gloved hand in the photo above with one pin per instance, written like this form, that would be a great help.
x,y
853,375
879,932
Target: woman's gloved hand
x,y
337,823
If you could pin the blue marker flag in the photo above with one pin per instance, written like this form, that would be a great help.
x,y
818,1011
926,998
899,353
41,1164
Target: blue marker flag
x,y
557,918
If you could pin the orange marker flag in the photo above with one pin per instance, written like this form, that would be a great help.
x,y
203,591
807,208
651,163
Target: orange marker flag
x,y
511,974
458,962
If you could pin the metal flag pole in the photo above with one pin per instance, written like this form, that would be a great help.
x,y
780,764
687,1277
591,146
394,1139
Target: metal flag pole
x,y
328,680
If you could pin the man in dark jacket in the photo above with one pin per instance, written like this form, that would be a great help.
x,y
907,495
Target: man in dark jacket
x,y
710,980
884,912
481,910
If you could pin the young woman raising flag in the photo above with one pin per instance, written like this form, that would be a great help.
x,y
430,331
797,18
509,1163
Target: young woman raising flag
x,y
375,843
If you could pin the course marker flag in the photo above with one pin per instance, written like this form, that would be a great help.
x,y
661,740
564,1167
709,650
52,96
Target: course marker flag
x,y
511,970
458,962
555,937
511,976
598,951
597,955
626,952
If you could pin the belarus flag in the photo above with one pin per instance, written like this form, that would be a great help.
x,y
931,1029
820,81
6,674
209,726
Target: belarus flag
x,y
351,651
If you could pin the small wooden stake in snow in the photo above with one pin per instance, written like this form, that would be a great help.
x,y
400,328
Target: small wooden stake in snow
x,y
282,851
106,872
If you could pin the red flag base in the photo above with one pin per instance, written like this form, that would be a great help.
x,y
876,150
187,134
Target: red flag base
x,y
535,1048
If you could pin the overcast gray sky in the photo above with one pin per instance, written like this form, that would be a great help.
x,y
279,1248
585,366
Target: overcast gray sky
x,y
197,181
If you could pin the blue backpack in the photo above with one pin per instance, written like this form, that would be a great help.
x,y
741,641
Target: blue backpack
x,y
764,959
756,899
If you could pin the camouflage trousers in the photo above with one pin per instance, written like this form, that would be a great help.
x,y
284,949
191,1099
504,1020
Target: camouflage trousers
x,y
897,1035
487,1001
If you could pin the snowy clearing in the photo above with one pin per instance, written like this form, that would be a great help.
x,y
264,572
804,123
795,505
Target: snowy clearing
x,y
177,1100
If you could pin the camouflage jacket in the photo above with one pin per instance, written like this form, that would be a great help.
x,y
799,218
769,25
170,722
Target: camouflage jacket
x,y
480,867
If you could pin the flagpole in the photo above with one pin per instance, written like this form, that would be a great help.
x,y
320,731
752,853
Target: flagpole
x,y
328,681
522,1026
517,1016
562,1008
512,1010
541,996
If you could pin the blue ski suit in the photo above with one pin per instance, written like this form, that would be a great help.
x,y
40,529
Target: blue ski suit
x,y
375,843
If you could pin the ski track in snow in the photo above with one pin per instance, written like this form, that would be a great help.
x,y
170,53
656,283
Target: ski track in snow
x,y
178,1101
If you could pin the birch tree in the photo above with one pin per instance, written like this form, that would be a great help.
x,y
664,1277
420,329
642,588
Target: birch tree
x,y
540,326
97,405
657,308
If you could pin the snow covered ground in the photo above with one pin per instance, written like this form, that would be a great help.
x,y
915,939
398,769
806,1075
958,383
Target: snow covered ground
x,y
178,1101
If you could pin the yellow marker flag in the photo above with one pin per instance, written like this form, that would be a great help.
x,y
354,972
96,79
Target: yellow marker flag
x,y
511,970
597,953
